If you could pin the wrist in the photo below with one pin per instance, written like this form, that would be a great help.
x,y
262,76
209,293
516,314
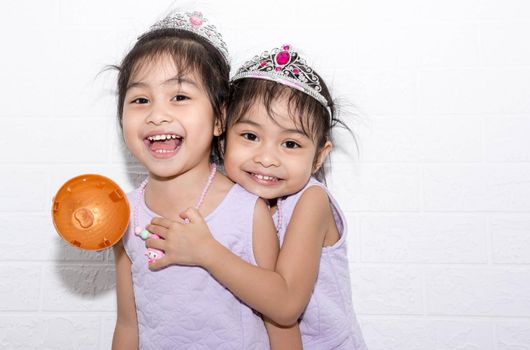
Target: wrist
x,y
209,250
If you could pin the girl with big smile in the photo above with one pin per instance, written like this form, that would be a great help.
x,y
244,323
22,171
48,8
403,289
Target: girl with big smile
x,y
172,93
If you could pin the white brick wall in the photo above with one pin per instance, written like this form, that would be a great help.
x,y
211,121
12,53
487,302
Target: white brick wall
x,y
437,200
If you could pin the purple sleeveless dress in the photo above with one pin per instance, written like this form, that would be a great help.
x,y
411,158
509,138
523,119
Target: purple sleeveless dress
x,y
328,321
184,307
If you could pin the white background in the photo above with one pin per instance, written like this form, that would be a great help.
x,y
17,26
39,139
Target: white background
x,y
437,198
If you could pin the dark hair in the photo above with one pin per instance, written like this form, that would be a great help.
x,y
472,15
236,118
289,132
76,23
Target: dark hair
x,y
191,52
315,120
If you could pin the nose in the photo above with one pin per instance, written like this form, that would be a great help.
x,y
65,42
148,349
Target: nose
x,y
267,156
158,114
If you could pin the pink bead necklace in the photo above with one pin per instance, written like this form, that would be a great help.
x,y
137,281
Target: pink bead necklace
x,y
279,222
143,233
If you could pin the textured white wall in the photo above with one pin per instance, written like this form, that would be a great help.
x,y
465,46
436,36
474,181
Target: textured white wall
x,y
438,200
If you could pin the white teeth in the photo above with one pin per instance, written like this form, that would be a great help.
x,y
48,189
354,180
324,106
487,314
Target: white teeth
x,y
264,177
164,151
163,137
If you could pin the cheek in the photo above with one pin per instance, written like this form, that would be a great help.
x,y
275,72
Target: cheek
x,y
127,131
230,160
231,169
305,167
233,159
129,134
231,149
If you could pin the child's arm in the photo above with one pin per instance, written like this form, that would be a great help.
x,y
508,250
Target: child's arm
x,y
126,331
281,295
284,338
266,248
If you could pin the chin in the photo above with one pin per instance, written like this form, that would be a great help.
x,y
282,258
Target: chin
x,y
162,173
261,192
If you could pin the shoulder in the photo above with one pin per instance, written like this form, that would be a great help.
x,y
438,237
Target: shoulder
x,y
221,186
312,206
315,200
231,197
236,206
133,194
224,183
243,195
318,198
313,194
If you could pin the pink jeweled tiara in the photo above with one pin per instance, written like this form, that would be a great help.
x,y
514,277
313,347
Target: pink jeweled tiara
x,y
285,66
192,22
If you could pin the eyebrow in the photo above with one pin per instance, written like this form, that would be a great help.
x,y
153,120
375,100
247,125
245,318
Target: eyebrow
x,y
180,80
284,131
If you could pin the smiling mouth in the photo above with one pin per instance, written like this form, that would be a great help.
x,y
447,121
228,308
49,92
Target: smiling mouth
x,y
264,178
163,143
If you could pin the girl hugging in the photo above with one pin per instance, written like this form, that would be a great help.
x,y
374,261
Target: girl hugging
x,y
278,136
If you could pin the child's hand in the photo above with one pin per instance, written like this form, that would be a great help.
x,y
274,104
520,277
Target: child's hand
x,y
183,243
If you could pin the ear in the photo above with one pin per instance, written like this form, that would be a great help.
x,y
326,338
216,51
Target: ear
x,y
218,126
322,155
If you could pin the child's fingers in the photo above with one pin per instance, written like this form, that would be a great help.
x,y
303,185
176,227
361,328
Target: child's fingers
x,y
192,215
155,243
161,222
161,231
159,264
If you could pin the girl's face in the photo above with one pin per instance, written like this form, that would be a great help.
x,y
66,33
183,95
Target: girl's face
x,y
168,121
270,158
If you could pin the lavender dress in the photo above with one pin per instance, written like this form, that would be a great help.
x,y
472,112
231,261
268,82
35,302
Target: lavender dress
x,y
328,321
184,307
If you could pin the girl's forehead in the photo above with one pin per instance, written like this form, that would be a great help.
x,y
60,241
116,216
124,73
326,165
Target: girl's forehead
x,y
279,112
163,67
274,123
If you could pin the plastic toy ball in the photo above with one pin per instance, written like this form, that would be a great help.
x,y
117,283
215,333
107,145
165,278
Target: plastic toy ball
x,y
90,212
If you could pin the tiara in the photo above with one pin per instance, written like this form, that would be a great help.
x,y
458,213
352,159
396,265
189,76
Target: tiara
x,y
284,66
192,22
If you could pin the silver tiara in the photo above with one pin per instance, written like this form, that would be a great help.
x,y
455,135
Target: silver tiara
x,y
192,22
285,66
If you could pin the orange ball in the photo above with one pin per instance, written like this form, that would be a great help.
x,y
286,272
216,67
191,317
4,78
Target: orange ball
x,y
90,212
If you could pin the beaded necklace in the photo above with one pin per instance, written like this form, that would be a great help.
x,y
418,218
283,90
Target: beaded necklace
x,y
279,222
144,234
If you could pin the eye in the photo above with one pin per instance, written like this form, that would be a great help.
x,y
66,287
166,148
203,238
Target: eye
x,y
140,100
180,98
249,136
291,144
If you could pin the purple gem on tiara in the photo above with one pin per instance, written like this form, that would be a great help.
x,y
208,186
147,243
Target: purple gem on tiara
x,y
296,71
283,58
278,69
263,64
286,47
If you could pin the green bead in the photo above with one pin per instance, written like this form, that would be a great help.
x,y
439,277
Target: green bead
x,y
144,234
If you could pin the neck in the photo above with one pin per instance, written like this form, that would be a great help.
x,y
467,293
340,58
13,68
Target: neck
x,y
169,196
